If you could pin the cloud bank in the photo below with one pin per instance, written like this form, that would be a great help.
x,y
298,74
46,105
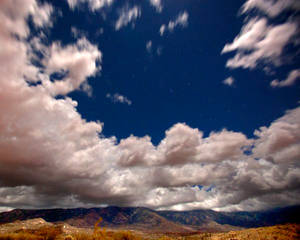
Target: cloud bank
x,y
50,156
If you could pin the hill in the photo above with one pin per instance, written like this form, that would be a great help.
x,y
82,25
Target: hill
x,y
38,229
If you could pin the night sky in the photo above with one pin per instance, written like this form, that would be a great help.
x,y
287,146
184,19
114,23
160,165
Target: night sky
x,y
193,103
182,84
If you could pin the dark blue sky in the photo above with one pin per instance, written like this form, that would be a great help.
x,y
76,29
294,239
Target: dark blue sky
x,y
184,82
144,68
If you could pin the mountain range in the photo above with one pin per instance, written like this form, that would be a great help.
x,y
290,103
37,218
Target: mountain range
x,y
140,218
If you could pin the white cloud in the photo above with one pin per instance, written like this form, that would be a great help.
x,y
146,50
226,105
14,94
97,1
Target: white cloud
x,y
75,62
41,15
50,156
228,81
270,7
118,98
93,4
251,33
291,79
280,142
181,20
78,33
157,4
5,209
126,16
260,42
149,46
16,22
183,145
162,29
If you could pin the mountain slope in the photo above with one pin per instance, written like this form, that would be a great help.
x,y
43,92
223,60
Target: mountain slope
x,y
241,219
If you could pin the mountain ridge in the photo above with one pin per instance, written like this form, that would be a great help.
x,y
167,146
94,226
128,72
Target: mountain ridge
x,y
144,218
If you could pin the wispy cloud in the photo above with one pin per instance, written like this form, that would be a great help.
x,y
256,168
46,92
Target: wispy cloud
x,y
93,4
229,81
118,98
78,33
127,15
270,7
262,42
181,20
259,41
289,81
157,4
149,46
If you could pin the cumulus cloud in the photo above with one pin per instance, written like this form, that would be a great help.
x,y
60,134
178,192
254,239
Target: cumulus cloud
x,y
42,13
127,15
291,79
74,63
280,143
183,145
118,98
181,20
14,19
228,81
93,4
50,156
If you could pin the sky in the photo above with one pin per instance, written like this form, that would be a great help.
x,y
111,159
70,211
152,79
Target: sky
x,y
165,104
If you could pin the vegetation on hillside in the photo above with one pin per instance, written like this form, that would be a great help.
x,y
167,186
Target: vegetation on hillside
x,y
57,232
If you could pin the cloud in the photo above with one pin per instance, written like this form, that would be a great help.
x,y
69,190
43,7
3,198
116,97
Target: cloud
x,y
93,4
5,209
291,79
16,22
50,156
159,50
260,42
270,7
126,16
157,4
41,16
181,20
149,46
263,40
280,143
118,98
74,63
162,29
183,145
78,33
228,81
